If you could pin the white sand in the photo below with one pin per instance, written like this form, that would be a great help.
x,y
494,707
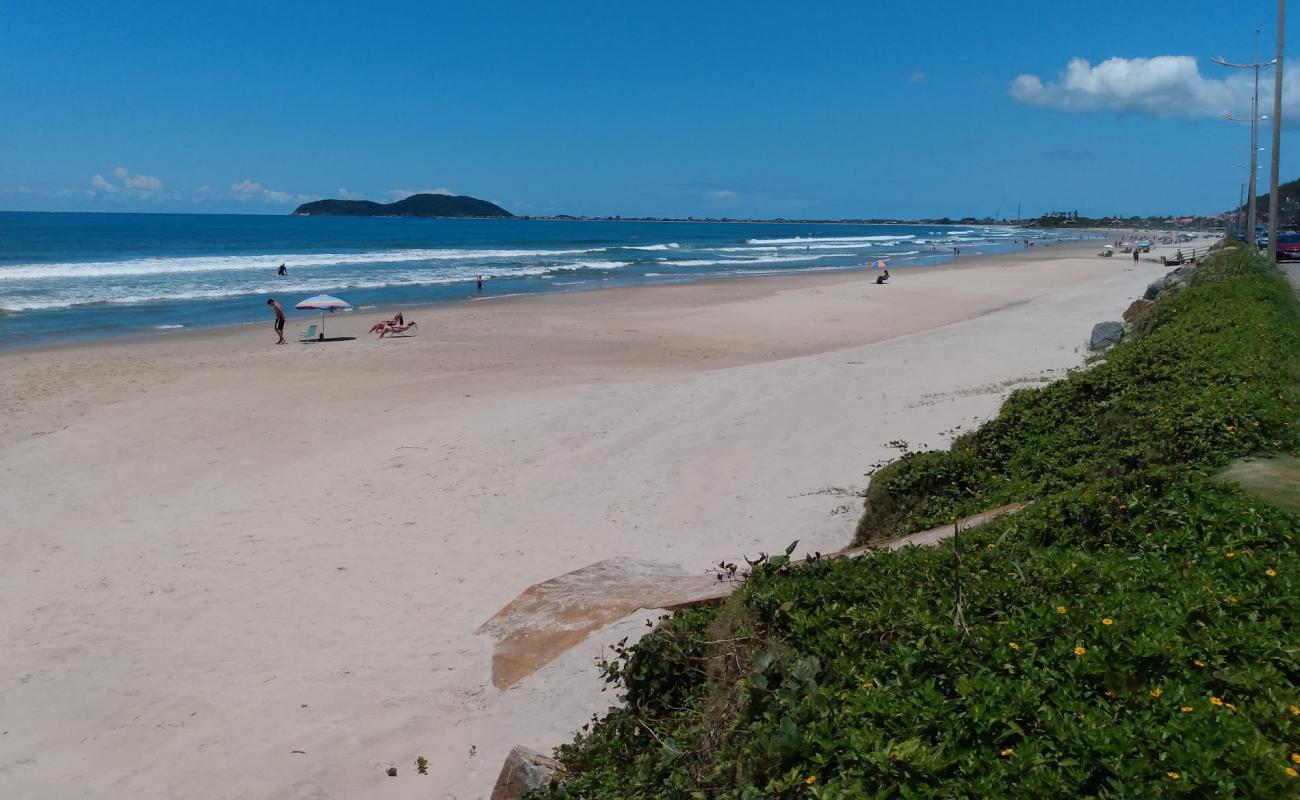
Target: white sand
x,y
216,552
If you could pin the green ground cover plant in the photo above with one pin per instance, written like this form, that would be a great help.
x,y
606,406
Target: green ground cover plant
x,y
1129,634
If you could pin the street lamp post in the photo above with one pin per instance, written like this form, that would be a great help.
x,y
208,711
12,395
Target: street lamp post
x,y
1274,202
1254,130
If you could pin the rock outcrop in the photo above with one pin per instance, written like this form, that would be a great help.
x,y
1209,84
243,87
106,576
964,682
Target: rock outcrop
x,y
523,771
1136,309
1105,334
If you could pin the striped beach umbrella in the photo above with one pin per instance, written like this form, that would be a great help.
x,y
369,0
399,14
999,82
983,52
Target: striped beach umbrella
x,y
877,264
323,303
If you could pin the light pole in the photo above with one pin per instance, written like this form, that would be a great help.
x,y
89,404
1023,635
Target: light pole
x,y
1254,129
1241,208
1275,204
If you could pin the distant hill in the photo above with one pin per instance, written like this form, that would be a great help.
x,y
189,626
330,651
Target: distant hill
x,y
1289,193
417,205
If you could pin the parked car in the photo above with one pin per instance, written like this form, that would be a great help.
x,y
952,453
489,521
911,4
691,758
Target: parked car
x,y
1288,246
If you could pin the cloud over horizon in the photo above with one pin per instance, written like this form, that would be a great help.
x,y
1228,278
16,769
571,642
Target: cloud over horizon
x,y
1169,86
139,185
254,190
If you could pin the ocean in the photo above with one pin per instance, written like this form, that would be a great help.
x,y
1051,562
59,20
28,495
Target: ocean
x,y
69,276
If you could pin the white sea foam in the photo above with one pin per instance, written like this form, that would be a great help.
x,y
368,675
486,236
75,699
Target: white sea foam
x,y
807,240
167,327
129,294
266,263
668,246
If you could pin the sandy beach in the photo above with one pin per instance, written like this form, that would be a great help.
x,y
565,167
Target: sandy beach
x,y
237,570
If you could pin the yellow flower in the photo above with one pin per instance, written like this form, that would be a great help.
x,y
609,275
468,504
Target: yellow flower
x,y
1232,429
1229,554
1295,757
811,780
867,685
1060,609
1214,701
1292,772
1173,776
991,545
1198,662
1108,621
1009,752
1156,692
1013,646
1188,709
1074,565
1230,706
1295,711
1078,651
1270,572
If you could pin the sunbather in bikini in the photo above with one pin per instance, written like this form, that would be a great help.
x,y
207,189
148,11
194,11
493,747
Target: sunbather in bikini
x,y
387,323
391,329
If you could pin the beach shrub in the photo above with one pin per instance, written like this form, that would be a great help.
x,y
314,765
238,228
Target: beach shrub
x,y
1129,634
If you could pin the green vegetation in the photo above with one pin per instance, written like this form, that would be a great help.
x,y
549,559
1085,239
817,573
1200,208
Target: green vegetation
x,y
1127,635
417,205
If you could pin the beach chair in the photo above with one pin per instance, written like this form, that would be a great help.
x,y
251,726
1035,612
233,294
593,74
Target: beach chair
x,y
308,335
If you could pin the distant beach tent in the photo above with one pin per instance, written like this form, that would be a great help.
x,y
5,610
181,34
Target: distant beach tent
x,y
877,264
323,303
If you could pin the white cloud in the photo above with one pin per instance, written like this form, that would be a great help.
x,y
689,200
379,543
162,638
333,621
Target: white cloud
x,y
918,76
723,194
1161,86
402,194
346,195
254,190
145,182
143,186
98,184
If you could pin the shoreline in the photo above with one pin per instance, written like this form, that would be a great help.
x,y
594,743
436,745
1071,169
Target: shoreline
x,y
973,261
222,551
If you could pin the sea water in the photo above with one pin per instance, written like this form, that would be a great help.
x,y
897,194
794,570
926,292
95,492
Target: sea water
x,y
89,276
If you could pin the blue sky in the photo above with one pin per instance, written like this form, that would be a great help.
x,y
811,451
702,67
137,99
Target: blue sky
x,y
676,108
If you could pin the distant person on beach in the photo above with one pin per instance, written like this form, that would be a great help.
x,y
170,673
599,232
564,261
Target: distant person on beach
x,y
282,270
480,284
882,278
279,319
1136,250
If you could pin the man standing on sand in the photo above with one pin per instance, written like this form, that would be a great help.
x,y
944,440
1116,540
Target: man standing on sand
x,y
1136,250
279,319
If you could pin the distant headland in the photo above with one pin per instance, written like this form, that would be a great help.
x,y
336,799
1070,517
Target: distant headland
x,y
417,205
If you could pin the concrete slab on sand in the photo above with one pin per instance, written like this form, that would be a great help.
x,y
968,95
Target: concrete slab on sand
x,y
550,617
1276,480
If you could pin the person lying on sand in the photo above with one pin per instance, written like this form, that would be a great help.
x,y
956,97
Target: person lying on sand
x,y
391,329
385,323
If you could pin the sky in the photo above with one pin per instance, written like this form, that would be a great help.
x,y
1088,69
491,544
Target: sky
x,y
753,109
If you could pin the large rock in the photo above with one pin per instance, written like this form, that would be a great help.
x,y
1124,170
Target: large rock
x,y
523,771
1177,277
1155,288
1136,309
1105,334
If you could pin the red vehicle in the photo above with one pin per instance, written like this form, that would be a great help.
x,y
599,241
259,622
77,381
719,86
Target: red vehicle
x,y
1288,246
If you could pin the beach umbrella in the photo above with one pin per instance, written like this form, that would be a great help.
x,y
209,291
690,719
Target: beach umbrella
x,y
323,303
877,264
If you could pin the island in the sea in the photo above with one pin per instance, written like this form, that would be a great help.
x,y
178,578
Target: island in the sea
x,y
417,205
